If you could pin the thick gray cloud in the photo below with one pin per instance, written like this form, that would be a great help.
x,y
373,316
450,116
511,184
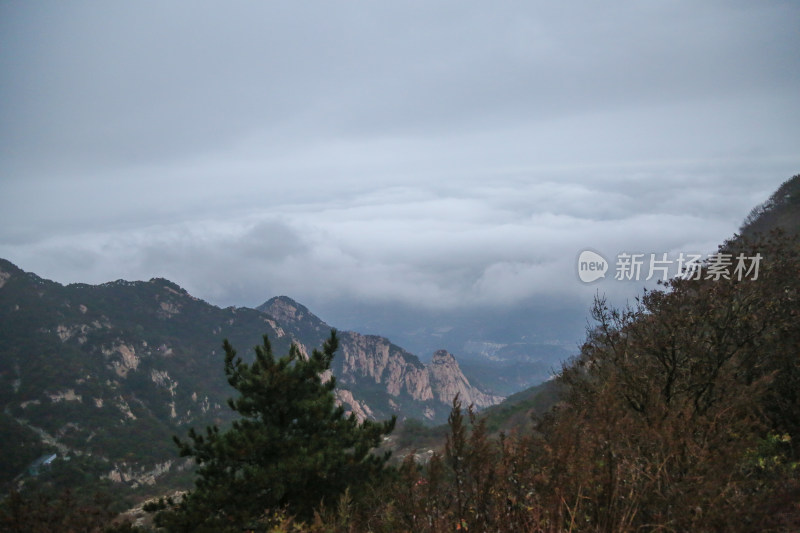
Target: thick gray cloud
x,y
448,155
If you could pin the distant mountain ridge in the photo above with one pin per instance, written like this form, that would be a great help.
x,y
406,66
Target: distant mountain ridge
x,y
106,374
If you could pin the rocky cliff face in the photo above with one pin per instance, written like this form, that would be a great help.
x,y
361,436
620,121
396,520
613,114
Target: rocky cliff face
x,y
374,357
370,363
287,311
448,380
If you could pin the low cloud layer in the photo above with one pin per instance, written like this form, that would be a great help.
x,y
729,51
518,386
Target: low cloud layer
x,y
486,245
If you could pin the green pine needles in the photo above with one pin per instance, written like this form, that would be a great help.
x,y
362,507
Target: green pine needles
x,y
292,449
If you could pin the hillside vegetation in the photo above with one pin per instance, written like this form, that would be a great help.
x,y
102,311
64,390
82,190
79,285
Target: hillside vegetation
x,y
680,414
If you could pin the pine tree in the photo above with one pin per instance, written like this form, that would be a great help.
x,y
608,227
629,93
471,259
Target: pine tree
x,y
291,450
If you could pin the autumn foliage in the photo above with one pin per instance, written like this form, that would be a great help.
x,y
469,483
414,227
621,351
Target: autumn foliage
x,y
680,413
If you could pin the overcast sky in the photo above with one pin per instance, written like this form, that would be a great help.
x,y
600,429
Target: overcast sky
x,y
440,154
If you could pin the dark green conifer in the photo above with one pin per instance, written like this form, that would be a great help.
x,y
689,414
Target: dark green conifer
x,y
292,449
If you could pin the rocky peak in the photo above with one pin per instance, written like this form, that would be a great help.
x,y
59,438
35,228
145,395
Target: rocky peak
x,y
443,357
9,268
447,380
170,286
369,360
286,311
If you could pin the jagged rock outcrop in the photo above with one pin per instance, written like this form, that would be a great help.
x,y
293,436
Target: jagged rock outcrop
x,y
373,362
401,372
375,358
351,405
448,380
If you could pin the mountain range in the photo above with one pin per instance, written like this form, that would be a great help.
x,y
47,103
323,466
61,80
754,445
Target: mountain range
x,y
106,374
